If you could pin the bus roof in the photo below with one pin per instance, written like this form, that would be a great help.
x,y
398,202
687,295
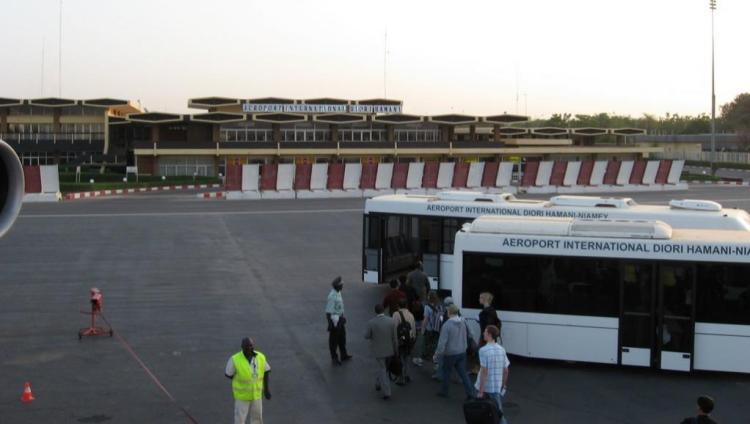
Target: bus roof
x,y
636,239
467,204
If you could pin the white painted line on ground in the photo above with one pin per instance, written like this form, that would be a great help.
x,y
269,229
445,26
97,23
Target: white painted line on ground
x,y
269,212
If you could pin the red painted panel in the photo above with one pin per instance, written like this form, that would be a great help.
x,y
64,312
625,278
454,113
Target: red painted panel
x,y
460,174
335,176
430,175
302,176
636,175
32,179
400,172
529,173
662,174
369,175
268,175
584,174
558,173
610,176
234,177
489,176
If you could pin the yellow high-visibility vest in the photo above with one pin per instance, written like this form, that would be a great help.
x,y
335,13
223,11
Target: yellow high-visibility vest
x,y
247,383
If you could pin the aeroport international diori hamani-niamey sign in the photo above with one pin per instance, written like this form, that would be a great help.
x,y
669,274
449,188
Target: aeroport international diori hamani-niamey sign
x,y
318,108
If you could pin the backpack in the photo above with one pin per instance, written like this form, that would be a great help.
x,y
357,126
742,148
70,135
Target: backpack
x,y
403,334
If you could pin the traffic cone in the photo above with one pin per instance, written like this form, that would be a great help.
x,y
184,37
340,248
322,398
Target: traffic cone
x,y
27,396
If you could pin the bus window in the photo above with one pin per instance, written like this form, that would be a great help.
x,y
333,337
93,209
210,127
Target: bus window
x,y
372,232
429,235
398,246
723,293
372,242
543,284
430,245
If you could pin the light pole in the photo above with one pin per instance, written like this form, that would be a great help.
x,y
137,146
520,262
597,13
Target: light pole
x,y
712,5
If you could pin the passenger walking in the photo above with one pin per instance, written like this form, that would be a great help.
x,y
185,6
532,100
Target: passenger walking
x,y
705,407
383,344
433,313
248,370
395,294
406,335
419,281
336,323
451,349
488,315
492,379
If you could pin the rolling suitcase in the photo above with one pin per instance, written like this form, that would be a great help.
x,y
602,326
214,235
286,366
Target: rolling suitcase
x,y
481,411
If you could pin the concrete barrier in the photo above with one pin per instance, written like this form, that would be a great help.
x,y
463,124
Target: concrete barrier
x,y
542,181
503,179
597,174
474,180
649,176
504,174
445,175
251,177
318,183
41,184
571,174
284,183
414,179
675,172
352,177
623,175
383,178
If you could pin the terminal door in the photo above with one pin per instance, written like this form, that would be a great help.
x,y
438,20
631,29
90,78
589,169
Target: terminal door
x,y
657,318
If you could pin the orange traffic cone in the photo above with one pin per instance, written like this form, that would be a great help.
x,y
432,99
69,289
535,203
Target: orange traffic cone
x,y
27,396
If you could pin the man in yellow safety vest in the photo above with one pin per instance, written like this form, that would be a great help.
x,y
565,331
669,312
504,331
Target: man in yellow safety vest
x,y
248,371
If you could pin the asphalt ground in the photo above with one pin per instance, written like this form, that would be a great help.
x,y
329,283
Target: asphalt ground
x,y
185,279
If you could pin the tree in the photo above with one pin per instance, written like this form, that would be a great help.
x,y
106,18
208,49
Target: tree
x,y
737,113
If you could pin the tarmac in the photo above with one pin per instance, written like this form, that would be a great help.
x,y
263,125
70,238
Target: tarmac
x,y
185,279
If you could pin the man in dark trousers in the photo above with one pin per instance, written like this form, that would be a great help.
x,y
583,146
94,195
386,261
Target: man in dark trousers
x,y
248,370
383,344
419,281
705,406
336,323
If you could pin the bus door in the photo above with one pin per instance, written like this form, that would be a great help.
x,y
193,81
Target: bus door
x,y
676,316
372,252
430,244
657,316
399,242
637,323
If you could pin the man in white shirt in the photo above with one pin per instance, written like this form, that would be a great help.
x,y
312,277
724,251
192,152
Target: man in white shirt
x,y
492,379
336,323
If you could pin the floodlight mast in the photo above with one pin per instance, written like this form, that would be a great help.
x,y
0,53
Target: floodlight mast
x,y
712,6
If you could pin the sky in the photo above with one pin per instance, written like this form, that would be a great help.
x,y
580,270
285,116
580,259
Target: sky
x,y
480,57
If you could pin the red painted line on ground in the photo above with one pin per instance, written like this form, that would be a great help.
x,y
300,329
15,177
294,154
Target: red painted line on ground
x,y
145,368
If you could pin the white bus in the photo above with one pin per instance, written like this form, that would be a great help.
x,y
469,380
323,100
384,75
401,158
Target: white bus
x,y
625,292
400,229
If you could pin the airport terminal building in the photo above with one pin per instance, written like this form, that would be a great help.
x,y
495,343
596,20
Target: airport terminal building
x,y
279,130
64,131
